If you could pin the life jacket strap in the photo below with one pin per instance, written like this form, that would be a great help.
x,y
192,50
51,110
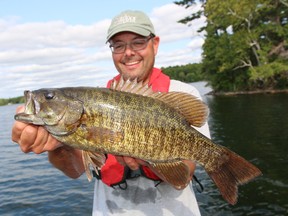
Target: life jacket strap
x,y
130,174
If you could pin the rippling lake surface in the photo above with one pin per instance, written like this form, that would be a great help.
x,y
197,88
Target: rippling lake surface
x,y
29,185
254,126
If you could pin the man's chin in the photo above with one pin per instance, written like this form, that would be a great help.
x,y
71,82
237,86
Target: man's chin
x,y
131,75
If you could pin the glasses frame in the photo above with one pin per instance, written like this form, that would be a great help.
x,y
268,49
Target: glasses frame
x,y
125,44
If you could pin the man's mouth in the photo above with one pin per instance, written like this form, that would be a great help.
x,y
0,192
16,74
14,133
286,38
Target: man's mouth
x,y
131,63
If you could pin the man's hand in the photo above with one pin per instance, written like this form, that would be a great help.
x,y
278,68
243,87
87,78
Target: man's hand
x,y
36,139
132,163
33,138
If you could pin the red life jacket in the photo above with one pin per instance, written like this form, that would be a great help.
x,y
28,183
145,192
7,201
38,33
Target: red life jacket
x,y
113,173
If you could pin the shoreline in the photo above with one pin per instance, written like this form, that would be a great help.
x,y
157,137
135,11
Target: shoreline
x,y
267,91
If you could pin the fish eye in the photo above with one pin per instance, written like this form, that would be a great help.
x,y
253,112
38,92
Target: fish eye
x,y
49,95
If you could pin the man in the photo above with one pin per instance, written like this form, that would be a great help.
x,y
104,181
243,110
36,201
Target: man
x,y
134,45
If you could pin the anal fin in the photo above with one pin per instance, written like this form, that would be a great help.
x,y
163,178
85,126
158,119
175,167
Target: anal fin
x,y
176,174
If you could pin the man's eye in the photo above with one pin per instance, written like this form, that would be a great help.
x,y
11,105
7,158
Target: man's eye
x,y
138,43
118,46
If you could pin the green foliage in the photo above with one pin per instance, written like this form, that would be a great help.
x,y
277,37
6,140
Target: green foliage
x,y
246,45
185,73
15,100
270,76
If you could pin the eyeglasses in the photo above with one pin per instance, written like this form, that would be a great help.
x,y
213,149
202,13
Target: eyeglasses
x,y
136,45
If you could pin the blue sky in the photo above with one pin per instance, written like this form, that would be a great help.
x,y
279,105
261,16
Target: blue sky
x,y
59,43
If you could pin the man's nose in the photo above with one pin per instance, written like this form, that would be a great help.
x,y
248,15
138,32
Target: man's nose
x,y
129,51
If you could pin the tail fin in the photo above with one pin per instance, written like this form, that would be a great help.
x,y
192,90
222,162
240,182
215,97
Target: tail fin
x,y
235,171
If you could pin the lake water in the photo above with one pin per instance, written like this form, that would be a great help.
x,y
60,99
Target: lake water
x,y
255,126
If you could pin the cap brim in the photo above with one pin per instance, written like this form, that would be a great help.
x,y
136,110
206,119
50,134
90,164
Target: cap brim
x,y
135,29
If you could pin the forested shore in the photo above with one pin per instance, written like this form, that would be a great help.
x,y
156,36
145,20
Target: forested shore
x,y
245,47
8,101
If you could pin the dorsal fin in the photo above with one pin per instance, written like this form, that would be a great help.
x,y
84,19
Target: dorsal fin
x,y
132,86
192,108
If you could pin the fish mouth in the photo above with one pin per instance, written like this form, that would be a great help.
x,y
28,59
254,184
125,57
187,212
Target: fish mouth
x,y
30,106
31,109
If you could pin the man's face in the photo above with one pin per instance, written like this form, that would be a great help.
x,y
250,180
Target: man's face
x,y
133,64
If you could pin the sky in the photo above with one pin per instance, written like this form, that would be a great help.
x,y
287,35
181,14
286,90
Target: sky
x,y
51,44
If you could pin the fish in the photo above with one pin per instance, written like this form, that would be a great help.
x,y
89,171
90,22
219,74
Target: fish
x,y
130,119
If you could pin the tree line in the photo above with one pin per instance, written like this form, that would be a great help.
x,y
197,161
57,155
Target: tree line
x,y
245,44
15,100
186,73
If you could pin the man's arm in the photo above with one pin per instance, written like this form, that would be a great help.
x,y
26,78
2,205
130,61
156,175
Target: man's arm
x,y
68,160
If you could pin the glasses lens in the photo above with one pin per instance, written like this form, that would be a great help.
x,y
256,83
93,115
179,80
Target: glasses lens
x,y
139,44
135,45
118,47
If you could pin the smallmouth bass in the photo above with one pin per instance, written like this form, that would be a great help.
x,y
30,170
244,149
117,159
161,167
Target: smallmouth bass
x,y
131,120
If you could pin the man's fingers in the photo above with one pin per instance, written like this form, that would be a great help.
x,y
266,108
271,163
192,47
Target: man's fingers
x,y
17,129
52,144
132,163
120,160
27,138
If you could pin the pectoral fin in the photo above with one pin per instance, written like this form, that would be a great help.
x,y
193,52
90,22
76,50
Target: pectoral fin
x,y
176,174
92,159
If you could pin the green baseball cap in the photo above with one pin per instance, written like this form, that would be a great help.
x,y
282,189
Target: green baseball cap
x,y
132,21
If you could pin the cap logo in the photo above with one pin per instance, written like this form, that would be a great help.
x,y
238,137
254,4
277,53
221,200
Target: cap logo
x,y
125,19
131,21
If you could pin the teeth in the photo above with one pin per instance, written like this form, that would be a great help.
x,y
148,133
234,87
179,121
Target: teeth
x,y
132,63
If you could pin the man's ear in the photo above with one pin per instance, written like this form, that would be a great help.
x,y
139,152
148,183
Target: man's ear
x,y
156,41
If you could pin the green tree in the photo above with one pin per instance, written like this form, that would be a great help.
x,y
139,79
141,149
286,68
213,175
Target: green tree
x,y
14,100
246,43
185,73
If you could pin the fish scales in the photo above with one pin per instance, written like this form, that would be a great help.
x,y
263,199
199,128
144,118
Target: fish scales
x,y
146,127
158,125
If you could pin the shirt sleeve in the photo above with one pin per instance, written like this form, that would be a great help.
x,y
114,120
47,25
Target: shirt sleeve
x,y
176,85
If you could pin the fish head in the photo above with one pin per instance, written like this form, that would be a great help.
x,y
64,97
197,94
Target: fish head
x,y
51,108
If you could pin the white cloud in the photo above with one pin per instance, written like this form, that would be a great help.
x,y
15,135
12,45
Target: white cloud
x,y
196,43
55,53
166,23
54,33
